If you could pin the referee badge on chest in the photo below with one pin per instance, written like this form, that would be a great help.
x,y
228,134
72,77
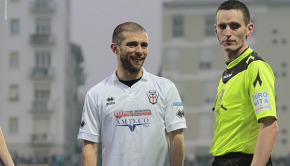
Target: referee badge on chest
x,y
153,96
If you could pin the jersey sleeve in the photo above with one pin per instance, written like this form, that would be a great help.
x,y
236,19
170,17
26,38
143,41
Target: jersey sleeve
x,y
174,113
261,82
90,125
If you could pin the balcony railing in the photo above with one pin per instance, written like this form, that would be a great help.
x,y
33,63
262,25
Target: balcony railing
x,y
42,106
42,6
39,38
42,72
41,139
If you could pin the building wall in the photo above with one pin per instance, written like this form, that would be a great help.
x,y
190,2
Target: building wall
x,y
38,131
273,45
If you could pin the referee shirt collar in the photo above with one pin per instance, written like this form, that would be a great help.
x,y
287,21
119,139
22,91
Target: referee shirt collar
x,y
239,59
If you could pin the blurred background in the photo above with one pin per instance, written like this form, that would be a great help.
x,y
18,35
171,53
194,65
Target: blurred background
x,y
53,51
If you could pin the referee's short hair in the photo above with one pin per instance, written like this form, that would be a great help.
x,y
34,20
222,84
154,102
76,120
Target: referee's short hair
x,y
237,5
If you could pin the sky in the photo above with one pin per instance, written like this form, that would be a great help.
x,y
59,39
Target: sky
x,y
92,25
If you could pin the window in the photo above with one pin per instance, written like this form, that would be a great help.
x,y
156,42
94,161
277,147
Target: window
x,y
14,26
205,58
43,27
284,108
204,65
275,74
42,59
42,3
178,27
209,25
14,60
42,64
172,60
13,125
42,94
13,93
180,87
210,91
41,100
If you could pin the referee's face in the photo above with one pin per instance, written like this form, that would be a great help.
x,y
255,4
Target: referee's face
x,y
232,31
133,51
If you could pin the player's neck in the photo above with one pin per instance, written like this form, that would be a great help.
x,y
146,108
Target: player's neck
x,y
128,76
232,55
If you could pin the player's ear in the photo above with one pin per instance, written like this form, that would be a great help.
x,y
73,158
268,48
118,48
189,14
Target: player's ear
x,y
250,29
114,48
215,29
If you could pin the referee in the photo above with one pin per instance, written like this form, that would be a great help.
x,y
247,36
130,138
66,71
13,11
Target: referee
x,y
245,110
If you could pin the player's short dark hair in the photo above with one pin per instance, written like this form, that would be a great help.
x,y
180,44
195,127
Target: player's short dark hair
x,y
118,36
237,5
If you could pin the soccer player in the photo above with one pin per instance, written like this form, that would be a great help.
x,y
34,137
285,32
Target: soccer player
x,y
5,158
245,110
137,116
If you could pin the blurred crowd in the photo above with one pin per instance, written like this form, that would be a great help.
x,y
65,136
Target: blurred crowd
x,y
54,160
57,160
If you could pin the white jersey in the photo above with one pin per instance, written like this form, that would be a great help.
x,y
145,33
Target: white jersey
x,y
132,123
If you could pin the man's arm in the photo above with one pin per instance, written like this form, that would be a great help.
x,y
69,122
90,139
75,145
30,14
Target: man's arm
x,y
176,153
5,157
266,140
89,153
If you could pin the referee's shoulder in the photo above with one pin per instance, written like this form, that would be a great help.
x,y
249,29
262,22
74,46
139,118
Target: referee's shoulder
x,y
259,64
255,60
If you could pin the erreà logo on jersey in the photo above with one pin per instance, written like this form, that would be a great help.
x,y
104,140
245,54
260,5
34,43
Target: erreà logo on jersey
x,y
153,96
110,101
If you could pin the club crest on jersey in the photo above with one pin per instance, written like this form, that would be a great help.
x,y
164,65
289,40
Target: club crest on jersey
x,y
153,96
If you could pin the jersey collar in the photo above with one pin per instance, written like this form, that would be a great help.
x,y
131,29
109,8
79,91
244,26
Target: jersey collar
x,y
241,57
144,76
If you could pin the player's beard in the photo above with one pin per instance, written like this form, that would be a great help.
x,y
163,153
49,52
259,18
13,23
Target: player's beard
x,y
127,64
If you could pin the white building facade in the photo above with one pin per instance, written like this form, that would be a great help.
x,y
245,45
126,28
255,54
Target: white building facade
x,y
194,60
40,74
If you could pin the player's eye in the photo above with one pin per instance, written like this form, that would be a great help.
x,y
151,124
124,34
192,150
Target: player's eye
x,y
222,26
144,45
235,26
132,44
